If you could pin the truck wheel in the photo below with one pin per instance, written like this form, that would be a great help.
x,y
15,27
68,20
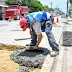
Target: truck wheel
x,y
15,19
1,18
6,18
18,16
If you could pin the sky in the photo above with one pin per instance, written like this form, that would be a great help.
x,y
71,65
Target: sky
x,y
62,4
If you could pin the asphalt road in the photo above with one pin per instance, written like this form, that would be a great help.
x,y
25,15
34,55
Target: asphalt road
x,y
11,33
6,26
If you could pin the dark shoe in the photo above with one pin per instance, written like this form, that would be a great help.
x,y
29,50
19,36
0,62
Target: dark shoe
x,y
30,44
54,53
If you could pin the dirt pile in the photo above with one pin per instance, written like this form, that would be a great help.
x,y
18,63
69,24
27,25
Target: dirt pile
x,y
10,47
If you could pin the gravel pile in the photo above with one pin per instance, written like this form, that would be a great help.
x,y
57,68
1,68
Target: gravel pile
x,y
22,70
29,57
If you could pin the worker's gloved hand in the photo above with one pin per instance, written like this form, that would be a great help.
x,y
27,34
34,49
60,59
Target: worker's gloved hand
x,y
31,33
36,47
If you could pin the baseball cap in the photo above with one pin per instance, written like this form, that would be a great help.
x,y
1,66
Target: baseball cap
x,y
23,22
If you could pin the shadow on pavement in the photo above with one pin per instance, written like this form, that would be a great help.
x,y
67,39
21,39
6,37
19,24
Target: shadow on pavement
x,y
29,57
32,52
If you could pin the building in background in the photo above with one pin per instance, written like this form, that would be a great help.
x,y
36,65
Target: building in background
x,y
1,2
3,8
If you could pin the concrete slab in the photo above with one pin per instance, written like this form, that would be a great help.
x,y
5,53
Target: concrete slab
x,y
67,35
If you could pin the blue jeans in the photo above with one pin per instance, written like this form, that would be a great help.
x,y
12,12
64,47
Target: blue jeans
x,y
50,36
34,39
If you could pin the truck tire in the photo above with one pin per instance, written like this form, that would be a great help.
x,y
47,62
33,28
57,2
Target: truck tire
x,y
6,18
1,18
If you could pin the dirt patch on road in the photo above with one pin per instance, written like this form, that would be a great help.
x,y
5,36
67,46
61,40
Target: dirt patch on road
x,y
6,65
10,47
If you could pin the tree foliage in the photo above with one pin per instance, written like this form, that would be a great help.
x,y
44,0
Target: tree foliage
x,y
46,7
33,5
8,2
70,11
70,1
51,9
37,6
58,11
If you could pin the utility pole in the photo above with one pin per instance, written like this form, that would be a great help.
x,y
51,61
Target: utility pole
x,y
67,10
51,4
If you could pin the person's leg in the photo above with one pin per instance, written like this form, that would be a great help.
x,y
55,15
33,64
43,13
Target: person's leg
x,y
33,40
50,36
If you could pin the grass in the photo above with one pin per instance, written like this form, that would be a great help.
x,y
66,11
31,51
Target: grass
x,y
66,22
69,20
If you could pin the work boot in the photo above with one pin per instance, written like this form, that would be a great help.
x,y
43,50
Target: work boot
x,y
54,53
31,44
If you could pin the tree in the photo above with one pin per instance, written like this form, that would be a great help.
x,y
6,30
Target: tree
x,y
58,11
51,9
37,6
70,1
33,5
8,2
46,7
70,9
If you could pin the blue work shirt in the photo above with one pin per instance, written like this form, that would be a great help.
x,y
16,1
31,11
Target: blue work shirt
x,y
41,16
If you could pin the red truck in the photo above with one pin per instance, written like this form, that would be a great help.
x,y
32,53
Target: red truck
x,y
16,11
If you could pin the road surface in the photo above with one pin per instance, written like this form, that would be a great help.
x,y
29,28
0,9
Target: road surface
x,y
12,34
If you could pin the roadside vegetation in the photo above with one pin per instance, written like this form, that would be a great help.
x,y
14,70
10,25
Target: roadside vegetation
x,y
66,22
33,5
70,9
69,20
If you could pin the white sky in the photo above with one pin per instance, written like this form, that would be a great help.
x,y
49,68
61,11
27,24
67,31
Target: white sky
x,y
62,4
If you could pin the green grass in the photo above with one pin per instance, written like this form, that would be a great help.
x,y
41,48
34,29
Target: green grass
x,y
66,22
69,20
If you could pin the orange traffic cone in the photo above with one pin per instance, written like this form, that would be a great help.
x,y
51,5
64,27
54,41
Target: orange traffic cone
x,y
9,19
57,20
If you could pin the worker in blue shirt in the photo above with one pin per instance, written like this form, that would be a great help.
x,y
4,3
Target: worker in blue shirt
x,y
34,21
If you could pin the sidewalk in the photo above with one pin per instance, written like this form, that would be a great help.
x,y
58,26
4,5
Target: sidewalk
x,y
60,63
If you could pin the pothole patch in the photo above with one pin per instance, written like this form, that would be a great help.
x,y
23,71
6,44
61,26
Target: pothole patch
x,y
29,57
